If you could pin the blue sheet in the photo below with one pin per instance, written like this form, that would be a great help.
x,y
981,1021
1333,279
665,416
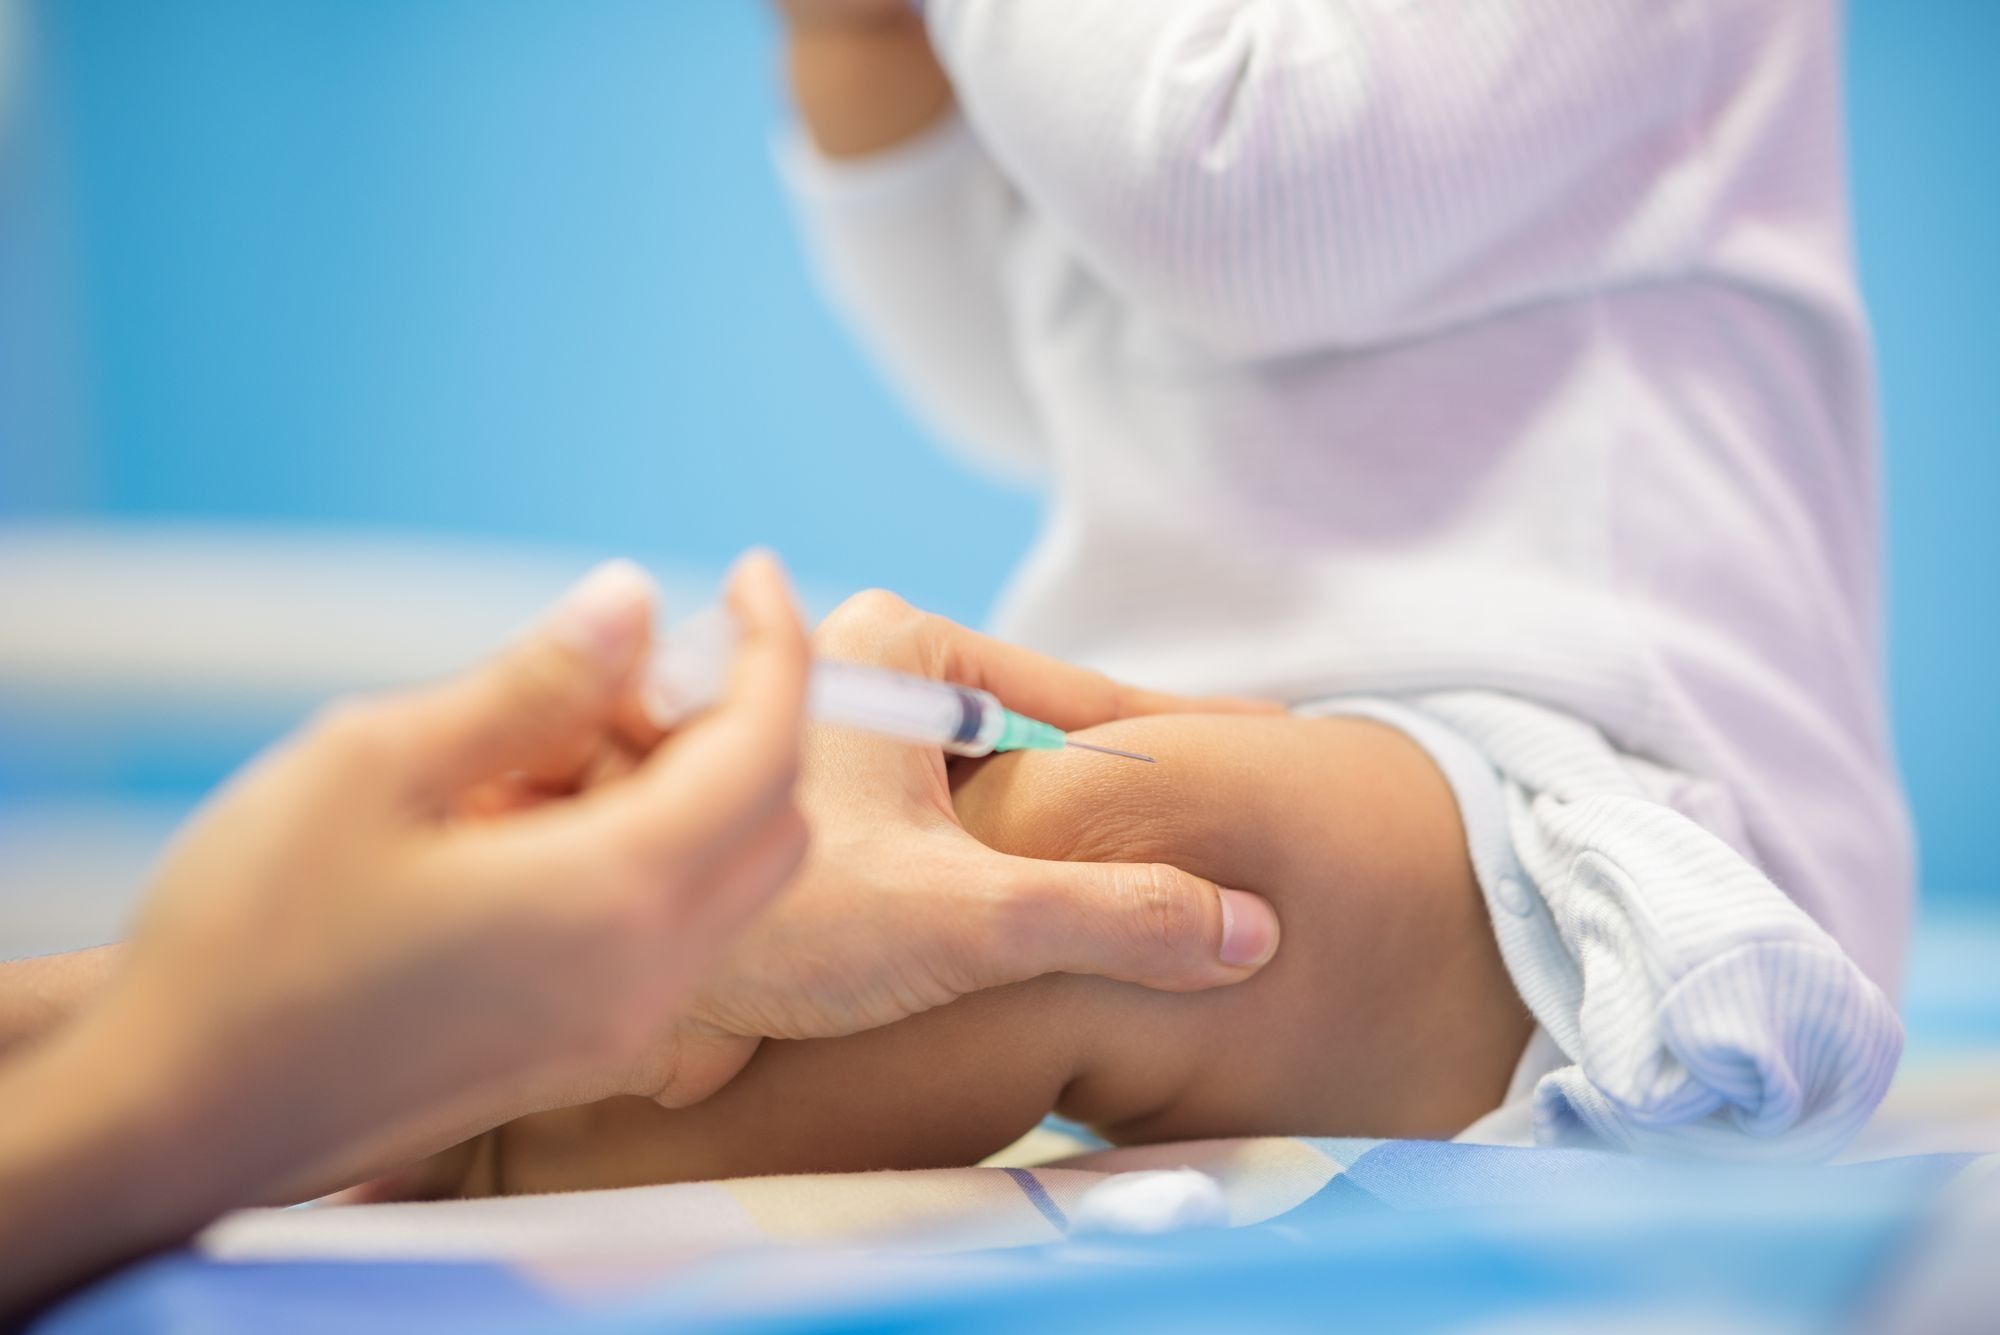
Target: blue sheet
x,y
1414,1236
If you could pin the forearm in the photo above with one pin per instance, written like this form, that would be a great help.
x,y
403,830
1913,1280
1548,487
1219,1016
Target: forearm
x,y
865,86
134,1125
942,1089
39,996
106,1152
908,221
1387,1011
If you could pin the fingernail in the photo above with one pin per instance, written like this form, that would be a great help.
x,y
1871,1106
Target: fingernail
x,y
1249,929
603,612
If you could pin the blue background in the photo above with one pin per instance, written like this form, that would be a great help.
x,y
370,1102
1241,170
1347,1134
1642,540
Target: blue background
x,y
519,270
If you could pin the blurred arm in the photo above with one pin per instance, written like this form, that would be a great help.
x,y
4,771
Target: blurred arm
x,y
865,85
908,220
117,1139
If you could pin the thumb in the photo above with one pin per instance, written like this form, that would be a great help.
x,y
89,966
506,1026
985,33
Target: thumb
x,y
1145,923
542,704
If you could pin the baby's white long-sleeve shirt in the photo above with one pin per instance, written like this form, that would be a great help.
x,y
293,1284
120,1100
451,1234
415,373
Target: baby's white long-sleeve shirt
x,y
1399,346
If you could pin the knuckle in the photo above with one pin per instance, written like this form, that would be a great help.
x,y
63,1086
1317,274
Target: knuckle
x,y
1017,920
868,617
876,604
1167,909
539,687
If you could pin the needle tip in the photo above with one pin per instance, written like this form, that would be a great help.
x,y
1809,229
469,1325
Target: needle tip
x,y
1111,751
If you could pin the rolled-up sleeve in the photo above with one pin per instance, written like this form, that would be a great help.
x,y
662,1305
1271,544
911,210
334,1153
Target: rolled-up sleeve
x,y
1701,1010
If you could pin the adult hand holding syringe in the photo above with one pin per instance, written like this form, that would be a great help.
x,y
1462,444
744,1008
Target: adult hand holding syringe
x,y
690,666
898,908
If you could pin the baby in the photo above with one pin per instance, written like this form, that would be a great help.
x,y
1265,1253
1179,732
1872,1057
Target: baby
x,y
1503,364
1493,381
1388,1012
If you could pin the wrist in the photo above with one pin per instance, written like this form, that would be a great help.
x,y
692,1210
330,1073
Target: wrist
x,y
110,1148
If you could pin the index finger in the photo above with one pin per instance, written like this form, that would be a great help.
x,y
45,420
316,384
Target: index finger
x,y
723,775
1063,694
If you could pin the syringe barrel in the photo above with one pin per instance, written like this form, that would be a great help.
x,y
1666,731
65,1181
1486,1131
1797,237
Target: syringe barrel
x,y
691,667
962,720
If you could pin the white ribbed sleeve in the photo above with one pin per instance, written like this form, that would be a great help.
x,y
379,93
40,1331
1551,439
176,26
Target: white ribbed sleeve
x,y
1274,175
936,214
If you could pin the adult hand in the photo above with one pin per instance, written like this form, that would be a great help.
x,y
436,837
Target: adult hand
x,y
327,952
899,910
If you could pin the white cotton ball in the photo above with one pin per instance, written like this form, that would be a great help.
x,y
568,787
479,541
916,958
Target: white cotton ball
x,y
1163,1201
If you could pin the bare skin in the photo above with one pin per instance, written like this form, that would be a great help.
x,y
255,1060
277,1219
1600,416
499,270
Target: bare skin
x,y
38,996
1387,1011
366,932
862,74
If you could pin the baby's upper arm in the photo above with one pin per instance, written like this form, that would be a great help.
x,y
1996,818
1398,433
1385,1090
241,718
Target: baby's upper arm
x,y
1386,1010
1251,802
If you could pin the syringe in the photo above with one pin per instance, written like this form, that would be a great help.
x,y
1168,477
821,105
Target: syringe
x,y
691,665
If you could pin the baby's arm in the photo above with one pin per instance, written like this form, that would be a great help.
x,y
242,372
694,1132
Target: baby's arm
x,y
1386,1012
942,1090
